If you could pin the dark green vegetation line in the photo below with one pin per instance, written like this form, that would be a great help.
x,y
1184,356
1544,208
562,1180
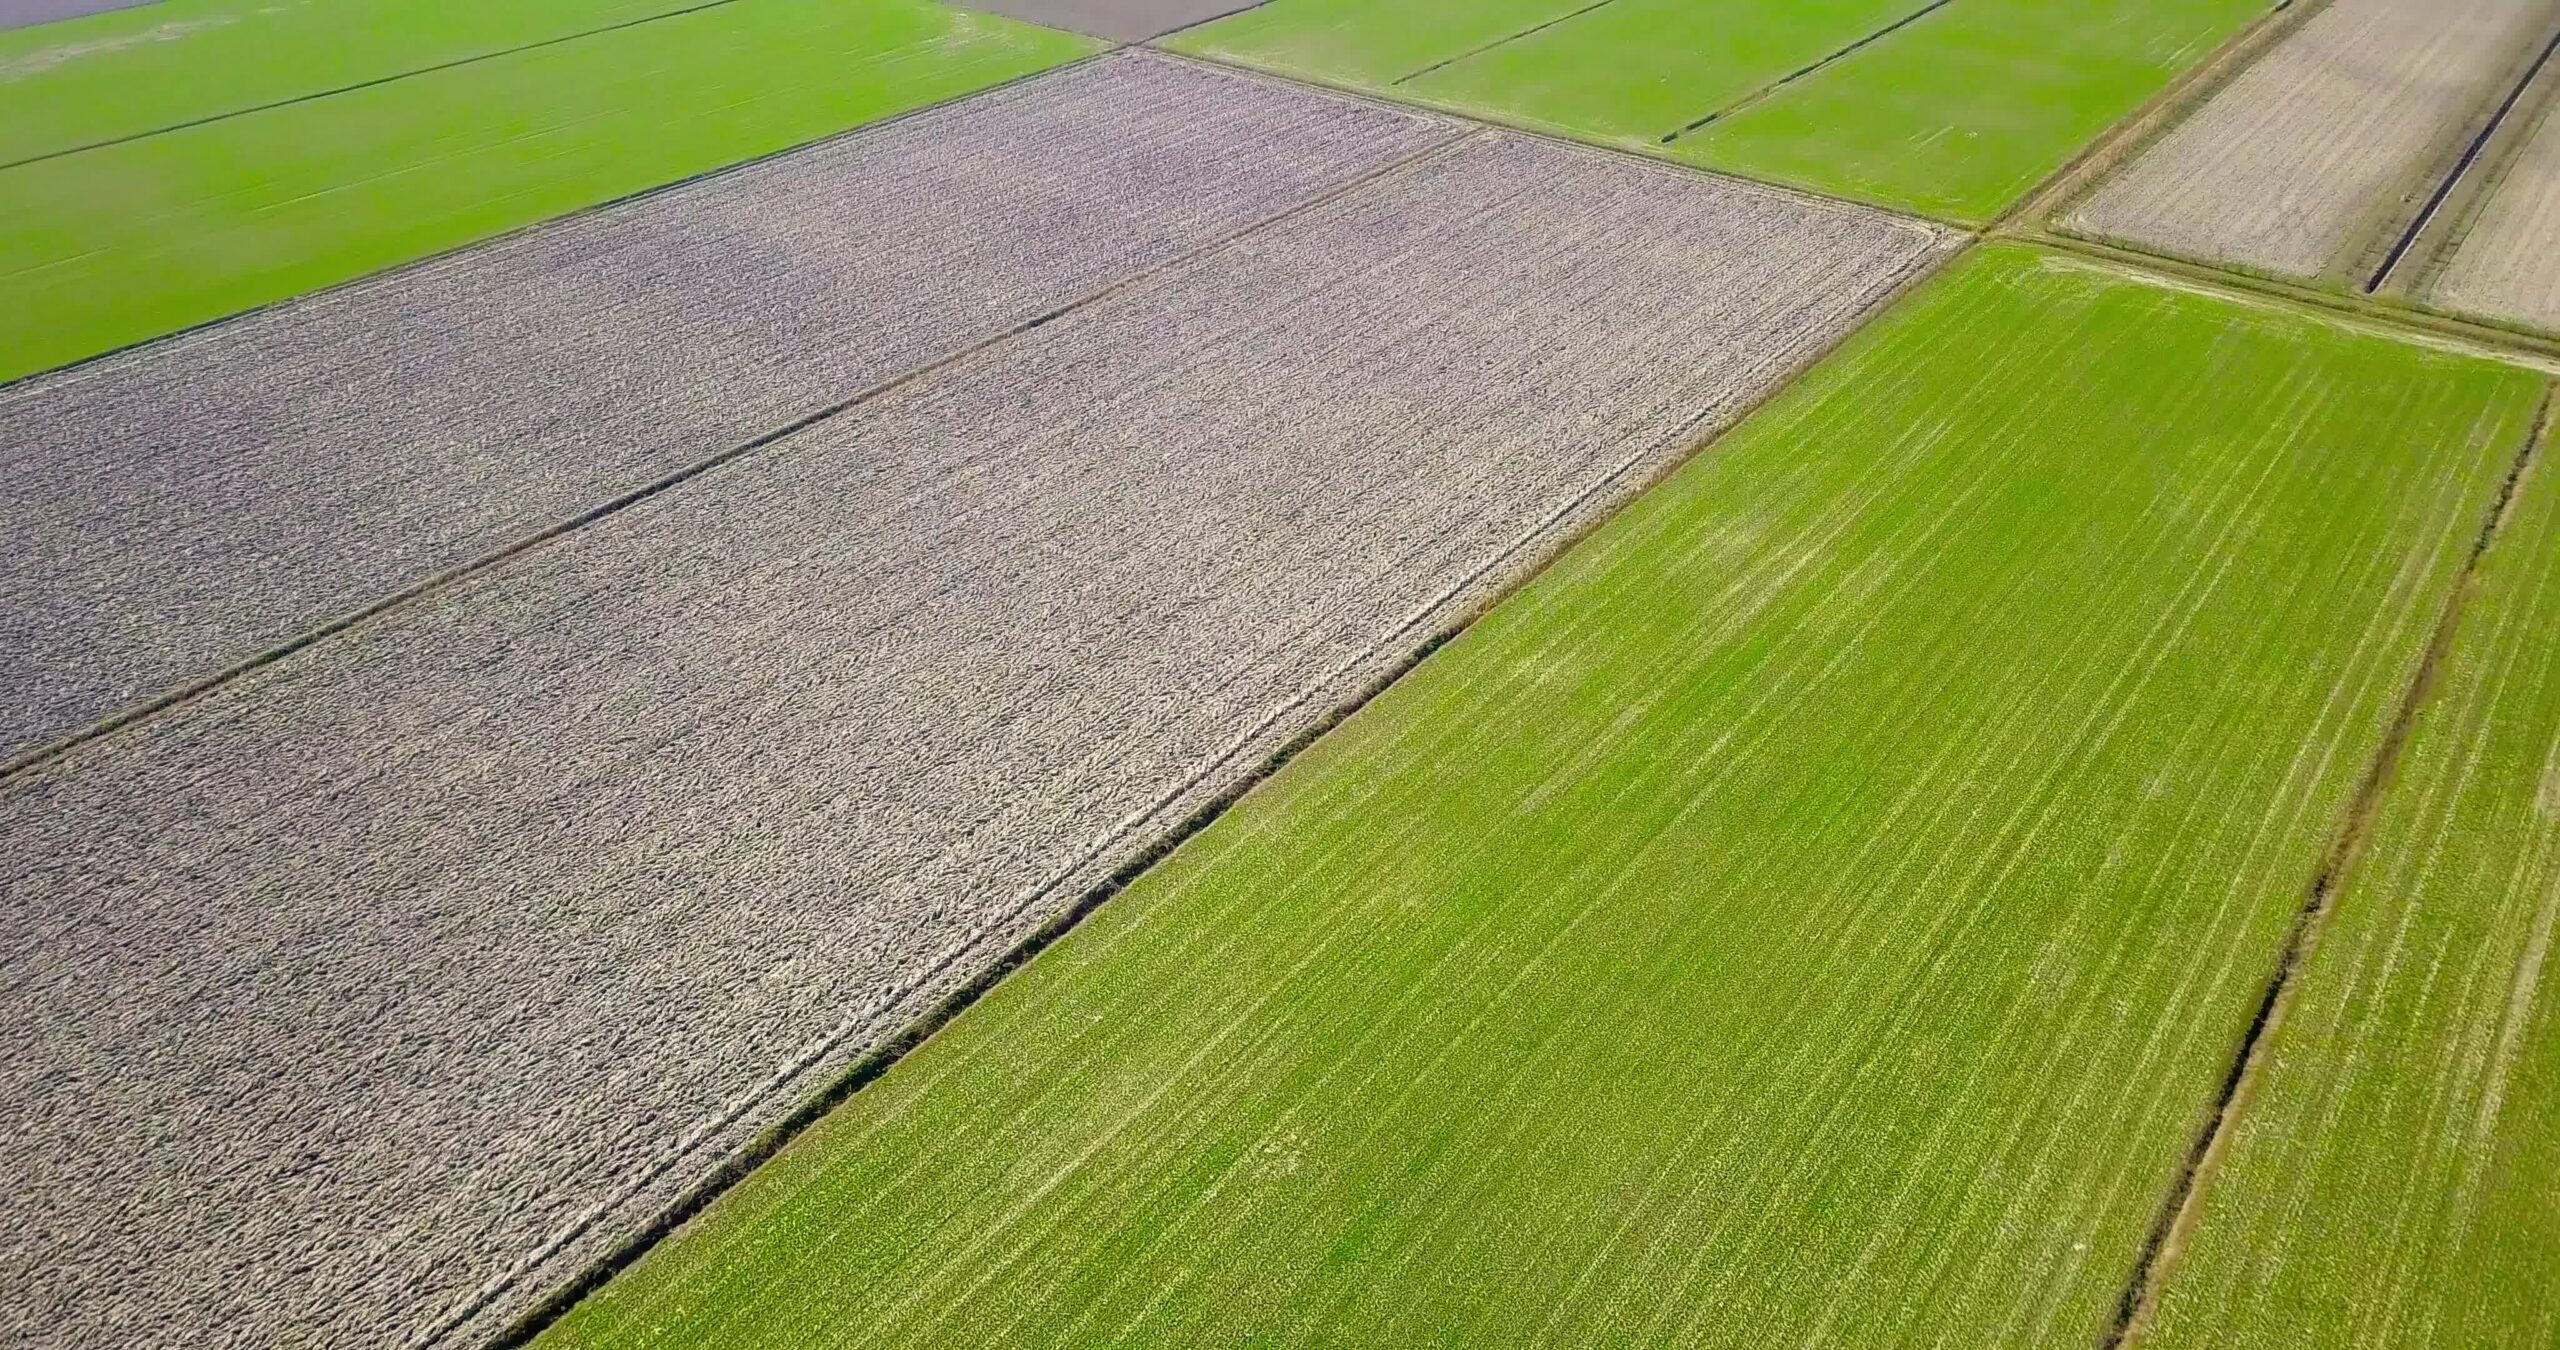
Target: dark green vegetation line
x,y
1448,61
352,86
1800,72
1763,912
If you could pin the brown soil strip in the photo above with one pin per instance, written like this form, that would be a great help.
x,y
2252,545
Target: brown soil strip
x,y
2178,1212
2461,166
1765,91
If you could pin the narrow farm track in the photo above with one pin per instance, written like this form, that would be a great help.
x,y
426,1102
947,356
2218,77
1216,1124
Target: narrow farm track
x,y
135,241
2392,1182
2285,168
185,508
1816,911
451,945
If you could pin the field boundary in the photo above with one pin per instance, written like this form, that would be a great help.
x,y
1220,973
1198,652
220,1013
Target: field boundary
x,y
35,758
2463,164
316,95
2382,316
2181,1207
2043,206
1542,547
70,370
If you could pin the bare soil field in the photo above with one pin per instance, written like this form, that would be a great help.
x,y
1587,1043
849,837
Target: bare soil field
x,y
187,506
2287,166
1119,20
20,13
2507,265
453,944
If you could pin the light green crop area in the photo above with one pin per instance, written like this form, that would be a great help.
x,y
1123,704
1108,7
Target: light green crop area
x,y
2396,1179
1819,909
1968,109
111,246
1953,110
130,71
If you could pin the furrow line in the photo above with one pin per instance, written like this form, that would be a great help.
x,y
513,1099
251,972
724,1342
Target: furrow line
x,y
2179,1210
1771,88
442,580
2461,166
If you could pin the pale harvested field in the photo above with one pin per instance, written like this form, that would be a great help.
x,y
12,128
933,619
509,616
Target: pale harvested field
x,y
2283,168
2508,264
177,510
525,901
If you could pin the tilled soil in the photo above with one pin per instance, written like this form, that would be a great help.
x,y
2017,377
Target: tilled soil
x,y
2283,167
178,510
2508,264
522,902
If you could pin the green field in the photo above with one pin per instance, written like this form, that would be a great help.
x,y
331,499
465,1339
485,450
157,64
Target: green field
x,y
1819,909
1955,114
1967,110
132,71
111,246
2396,1179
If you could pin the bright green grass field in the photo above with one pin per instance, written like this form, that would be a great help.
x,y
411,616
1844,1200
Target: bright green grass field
x,y
130,71
111,246
1957,115
2396,1179
1819,909
1964,112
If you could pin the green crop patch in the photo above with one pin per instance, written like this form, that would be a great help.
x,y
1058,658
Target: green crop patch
x,y
116,245
1970,108
129,72
1953,109
1822,904
2395,1180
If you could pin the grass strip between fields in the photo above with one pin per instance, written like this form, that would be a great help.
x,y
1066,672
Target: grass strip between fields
x,y
1953,110
1822,905
2395,1178
117,245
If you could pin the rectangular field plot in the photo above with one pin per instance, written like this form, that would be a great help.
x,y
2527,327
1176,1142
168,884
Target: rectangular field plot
x,y
1973,105
1949,109
2322,144
1821,905
2507,263
1626,72
113,246
156,65
526,901
183,508
2395,1178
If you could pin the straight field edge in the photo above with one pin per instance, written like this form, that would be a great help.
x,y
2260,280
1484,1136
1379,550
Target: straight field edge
x,y
838,1080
